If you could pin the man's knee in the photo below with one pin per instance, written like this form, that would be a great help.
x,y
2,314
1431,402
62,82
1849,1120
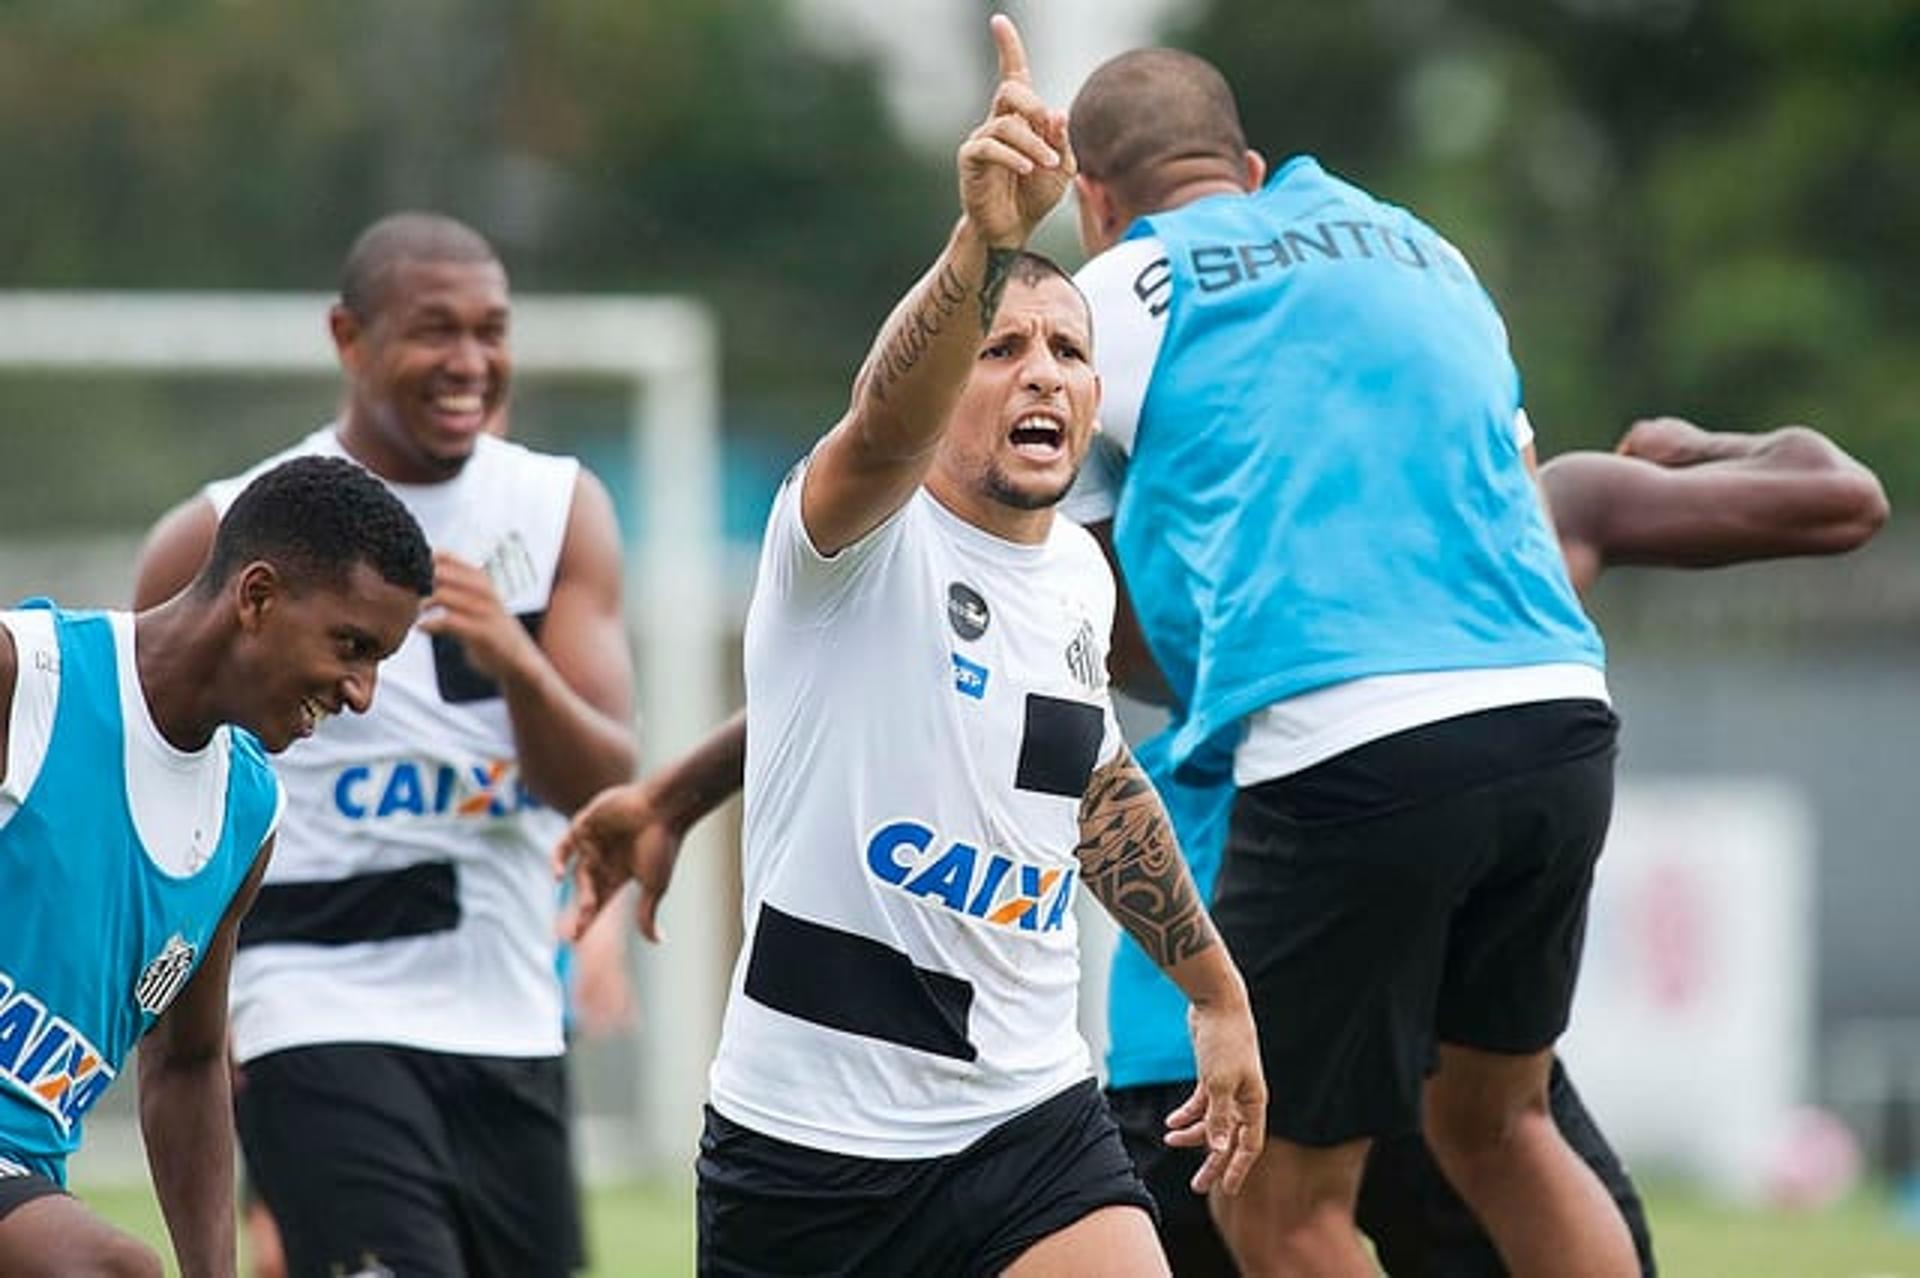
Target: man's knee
x,y
1483,1104
1487,1133
111,1257
1311,1239
56,1237
134,1260
1296,1195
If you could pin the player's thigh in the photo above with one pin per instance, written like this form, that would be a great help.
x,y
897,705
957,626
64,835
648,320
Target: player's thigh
x,y
1042,1173
1340,927
347,1149
1112,1242
767,1206
508,1121
1513,953
1187,1233
1292,1182
54,1236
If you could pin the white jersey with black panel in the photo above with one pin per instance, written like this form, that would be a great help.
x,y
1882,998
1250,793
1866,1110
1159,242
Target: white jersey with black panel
x,y
924,709
1128,289
409,900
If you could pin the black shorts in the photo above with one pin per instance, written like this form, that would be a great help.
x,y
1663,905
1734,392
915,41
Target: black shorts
x,y
1419,1225
770,1207
431,1164
20,1185
1429,884
1187,1233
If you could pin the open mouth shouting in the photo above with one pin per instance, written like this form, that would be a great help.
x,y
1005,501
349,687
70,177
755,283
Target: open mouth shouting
x,y
1039,436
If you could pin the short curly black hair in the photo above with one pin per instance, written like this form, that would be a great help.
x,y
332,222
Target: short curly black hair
x,y
313,518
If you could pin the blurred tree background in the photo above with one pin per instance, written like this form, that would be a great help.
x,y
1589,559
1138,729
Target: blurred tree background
x,y
1696,206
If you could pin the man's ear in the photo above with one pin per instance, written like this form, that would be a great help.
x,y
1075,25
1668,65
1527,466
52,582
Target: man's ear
x,y
257,589
1256,174
1101,208
346,329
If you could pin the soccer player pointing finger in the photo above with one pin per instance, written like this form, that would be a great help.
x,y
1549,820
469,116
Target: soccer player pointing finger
x,y
930,757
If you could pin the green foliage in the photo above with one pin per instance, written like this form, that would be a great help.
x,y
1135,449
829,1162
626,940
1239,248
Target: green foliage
x,y
671,145
1707,207
1696,206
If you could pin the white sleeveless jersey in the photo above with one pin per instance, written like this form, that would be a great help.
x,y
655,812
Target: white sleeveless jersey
x,y
409,900
923,709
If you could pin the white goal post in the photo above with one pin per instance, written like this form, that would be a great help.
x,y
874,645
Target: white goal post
x,y
664,350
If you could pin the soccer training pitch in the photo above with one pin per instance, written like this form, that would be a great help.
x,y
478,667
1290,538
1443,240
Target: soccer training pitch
x,y
645,1231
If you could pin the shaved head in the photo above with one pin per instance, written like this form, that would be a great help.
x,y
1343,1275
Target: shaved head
x,y
1151,119
398,238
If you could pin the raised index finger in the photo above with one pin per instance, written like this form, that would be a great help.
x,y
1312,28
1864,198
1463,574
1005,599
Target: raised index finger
x,y
1013,55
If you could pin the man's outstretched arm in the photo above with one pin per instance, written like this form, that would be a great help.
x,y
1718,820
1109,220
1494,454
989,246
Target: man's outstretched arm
x,y
634,831
1675,495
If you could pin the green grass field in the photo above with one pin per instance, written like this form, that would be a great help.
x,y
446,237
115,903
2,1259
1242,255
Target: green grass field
x,y
647,1232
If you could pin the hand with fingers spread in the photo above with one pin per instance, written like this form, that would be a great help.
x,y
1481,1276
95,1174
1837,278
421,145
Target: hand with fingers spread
x,y
1227,1113
626,832
465,605
1017,165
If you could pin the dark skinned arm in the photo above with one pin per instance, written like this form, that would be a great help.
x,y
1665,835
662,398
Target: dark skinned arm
x,y
1674,495
635,831
174,552
569,695
186,1103
1130,663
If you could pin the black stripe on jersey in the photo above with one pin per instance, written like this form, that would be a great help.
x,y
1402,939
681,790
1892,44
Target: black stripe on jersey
x,y
853,983
416,900
1059,747
458,681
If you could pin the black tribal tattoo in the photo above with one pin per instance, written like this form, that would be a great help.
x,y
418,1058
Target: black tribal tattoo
x,y
942,298
1000,264
1131,863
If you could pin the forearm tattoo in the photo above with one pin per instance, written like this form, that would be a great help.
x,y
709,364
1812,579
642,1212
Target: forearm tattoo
x,y
1131,863
940,301
1000,263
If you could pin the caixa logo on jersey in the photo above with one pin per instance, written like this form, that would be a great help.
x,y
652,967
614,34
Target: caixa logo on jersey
x,y
45,1060
1013,894
411,788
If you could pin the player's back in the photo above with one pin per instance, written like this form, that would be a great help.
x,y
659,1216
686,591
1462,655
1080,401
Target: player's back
x,y
1326,482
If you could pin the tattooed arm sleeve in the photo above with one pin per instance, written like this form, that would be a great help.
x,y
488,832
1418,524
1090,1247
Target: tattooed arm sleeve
x,y
1131,862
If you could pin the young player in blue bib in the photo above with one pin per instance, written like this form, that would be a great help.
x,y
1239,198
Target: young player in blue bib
x,y
137,811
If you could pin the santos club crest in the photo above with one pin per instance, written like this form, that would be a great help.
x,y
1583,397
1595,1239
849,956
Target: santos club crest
x,y
164,976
